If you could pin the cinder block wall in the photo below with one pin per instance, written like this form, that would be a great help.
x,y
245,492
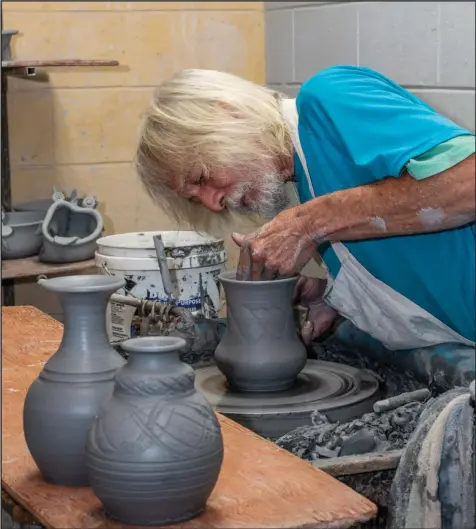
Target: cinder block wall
x,y
428,47
77,128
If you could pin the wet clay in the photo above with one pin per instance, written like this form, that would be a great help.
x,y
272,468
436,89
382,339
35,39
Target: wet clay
x,y
62,402
260,350
155,450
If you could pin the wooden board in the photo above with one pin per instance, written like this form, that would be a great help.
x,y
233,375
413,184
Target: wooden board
x,y
260,485
32,266
58,63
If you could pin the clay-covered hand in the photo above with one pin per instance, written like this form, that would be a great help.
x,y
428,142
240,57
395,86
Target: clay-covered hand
x,y
280,248
308,293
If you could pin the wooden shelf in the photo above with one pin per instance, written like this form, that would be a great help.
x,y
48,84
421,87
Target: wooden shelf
x,y
32,266
58,63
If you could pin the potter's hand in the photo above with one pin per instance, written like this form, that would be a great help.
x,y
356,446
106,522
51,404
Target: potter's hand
x,y
281,248
308,293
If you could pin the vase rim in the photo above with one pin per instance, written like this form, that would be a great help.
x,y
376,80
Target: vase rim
x,y
85,284
153,344
230,277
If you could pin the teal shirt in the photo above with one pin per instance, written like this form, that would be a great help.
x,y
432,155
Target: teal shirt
x,y
357,127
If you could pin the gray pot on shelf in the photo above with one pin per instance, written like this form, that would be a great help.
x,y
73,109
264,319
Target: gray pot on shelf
x,y
21,234
62,402
155,449
70,233
7,35
260,350
34,205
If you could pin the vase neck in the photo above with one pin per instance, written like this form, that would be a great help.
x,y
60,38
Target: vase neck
x,y
85,322
155,374
154,363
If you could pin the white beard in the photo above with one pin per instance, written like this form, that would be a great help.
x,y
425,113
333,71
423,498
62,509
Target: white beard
x,y
271,191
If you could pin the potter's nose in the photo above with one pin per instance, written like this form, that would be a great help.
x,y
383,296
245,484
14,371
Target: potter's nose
x,y
212,199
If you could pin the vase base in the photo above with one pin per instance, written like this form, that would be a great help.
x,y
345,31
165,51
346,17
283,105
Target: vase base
x,y
340,392
64,481
260,388
144,521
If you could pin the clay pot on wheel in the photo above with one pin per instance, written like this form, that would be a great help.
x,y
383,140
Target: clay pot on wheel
x,y
62,402
260,350
155,450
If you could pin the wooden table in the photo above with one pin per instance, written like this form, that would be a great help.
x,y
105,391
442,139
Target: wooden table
x,y
260,485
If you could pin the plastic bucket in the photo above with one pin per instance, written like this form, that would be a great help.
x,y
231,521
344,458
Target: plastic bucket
x,y
194,263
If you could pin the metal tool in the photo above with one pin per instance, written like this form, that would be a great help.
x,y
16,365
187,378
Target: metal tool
x,y
164,269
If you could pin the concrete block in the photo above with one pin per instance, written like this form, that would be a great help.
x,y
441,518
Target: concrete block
x,y
149,216
97,125
30,127
70,35
323,37
130,6
273,6
457,46
400,40
289,90
279,46
228,41
458,105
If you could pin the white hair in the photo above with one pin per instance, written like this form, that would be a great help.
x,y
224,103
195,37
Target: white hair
x,y
206,118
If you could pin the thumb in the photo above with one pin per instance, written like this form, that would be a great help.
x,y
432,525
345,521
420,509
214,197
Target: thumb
x,y
238,238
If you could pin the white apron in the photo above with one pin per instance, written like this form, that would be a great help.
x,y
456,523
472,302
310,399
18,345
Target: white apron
x,y
371,305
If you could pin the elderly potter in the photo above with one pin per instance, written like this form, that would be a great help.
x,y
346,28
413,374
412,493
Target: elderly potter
x,y
385,185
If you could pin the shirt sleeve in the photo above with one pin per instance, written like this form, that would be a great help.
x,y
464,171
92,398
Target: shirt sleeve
x,y
379,125
442,157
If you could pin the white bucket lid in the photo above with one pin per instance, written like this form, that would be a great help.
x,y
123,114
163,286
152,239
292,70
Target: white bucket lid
x,y
141,244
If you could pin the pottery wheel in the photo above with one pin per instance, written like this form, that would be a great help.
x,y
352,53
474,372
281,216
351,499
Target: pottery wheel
x,y
340,392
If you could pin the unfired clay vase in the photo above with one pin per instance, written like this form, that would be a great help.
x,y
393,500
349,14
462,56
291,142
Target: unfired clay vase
x,y
155,450
62,402
260,350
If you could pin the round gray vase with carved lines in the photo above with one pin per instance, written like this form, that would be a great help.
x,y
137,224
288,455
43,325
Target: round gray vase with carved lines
x,y
155,449
260,350
62,402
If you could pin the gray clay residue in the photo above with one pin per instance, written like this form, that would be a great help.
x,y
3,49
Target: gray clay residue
x,y
260,350
62,402
372,432
195,249
155,449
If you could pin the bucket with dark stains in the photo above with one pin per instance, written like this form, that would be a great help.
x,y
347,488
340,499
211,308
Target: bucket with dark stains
x,y
194,262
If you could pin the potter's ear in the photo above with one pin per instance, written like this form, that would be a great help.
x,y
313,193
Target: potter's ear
x,y
237,238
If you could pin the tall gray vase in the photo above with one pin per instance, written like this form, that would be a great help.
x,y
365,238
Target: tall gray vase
x,y
155,449
260,350
62,402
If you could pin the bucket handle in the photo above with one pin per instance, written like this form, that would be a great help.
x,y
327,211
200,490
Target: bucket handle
x,y
105,268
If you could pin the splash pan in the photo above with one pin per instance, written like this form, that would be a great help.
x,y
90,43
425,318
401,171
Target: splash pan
x,y
340,392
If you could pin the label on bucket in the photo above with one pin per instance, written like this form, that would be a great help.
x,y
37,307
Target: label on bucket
x,y
120,321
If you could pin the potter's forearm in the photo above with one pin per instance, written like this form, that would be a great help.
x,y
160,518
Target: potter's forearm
x,y
395,206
